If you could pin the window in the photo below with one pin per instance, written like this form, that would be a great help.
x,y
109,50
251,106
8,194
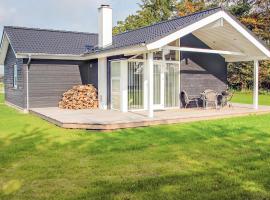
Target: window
x,y
157,55
15,76
116,85
171,55
135,85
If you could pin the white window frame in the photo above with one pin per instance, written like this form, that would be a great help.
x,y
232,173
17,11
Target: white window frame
x,y
15,76
117,79
143,84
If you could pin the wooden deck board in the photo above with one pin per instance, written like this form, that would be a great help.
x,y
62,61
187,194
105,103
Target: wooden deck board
x,y
110,120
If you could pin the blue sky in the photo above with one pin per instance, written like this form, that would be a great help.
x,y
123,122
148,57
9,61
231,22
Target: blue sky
x,y
77,15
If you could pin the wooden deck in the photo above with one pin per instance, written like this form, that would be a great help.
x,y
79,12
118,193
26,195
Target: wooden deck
x,y
111,120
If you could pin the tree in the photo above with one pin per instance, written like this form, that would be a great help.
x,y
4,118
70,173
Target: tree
x,y
151,11
187,7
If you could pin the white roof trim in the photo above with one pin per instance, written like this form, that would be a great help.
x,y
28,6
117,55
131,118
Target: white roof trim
x,y
4,48
200,50
184,31
114,52
50,56
82,57
249,36
203,22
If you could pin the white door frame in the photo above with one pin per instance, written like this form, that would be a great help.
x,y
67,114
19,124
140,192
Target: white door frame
x,y
111,80
162,83
163,64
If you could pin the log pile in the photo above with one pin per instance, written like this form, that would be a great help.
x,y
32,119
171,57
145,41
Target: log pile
x,y
80,97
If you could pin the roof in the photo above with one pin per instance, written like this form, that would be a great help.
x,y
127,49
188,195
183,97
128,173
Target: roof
x,y
31,40
156,31
72,45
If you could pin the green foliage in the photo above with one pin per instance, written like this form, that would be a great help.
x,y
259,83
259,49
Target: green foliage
x,y
221,159
151,11
240,75
241,9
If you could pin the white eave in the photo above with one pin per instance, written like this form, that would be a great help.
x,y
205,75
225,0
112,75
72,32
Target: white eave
x,y
4,48
131,50
50,56
225,35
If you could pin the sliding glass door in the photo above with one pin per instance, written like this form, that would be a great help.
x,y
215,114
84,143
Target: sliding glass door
x,y
135,85
172,85
166,84
158,83
115,85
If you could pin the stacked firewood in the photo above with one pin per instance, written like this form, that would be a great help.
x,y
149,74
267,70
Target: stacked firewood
x,y
80,97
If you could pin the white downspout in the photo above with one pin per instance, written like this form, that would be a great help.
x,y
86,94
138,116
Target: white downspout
x,y
27,82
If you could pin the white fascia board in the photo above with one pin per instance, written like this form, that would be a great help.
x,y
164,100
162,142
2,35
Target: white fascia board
x,y
203,22
245,33
246,59
114,52
50,56
4,48
10,45
83,57
184,31
212,51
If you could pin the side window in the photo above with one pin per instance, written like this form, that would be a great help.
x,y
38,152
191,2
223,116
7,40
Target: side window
x,y
15,76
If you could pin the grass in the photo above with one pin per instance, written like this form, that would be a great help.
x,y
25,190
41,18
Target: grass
x,y
246,98
222,159
1,87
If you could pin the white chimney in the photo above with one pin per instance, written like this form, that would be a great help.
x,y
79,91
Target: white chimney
x,y
104,26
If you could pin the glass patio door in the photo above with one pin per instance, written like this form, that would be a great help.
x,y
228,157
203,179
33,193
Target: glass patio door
x,y
166,85
158,80
115,85
172,85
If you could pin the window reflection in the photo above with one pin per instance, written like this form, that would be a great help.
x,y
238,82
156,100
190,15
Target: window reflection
x,y
157,55
171,55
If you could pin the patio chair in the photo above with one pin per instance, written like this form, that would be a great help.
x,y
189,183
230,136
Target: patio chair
x,y
210,97
187,100
226,98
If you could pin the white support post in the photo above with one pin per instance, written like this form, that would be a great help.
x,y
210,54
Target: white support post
x,y
27,88
256,85
145,84
102,83
179,75
124,85
150,88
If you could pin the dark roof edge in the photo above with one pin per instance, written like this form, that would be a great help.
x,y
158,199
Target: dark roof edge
x,y
50,30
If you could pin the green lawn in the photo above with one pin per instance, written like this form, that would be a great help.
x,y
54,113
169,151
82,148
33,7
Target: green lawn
x,y
1,87
222,159
246,98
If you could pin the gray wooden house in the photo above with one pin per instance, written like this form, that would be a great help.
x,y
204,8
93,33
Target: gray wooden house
x,y
143,69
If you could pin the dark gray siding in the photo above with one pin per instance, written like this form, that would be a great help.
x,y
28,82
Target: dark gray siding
x,y
49,79
14,96
47,82
200,71
89,72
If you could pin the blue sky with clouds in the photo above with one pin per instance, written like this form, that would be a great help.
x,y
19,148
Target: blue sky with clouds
x,y
77,15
